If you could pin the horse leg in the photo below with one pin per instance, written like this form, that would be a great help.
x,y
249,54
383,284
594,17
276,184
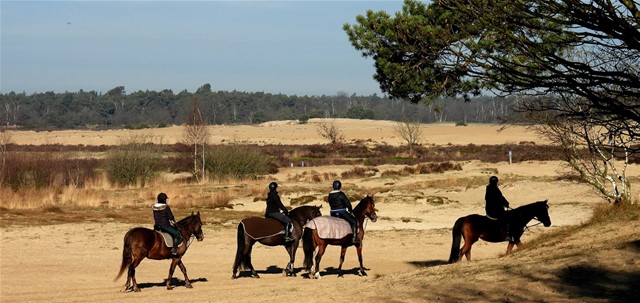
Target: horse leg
x,y
510,246
131,275
248,263
290,271
466,248
343,251
359,250
187,283
172,268
321,249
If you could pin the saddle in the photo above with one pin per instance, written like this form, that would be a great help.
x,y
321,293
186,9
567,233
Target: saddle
x,y
500,225
259,228
329,227
168,239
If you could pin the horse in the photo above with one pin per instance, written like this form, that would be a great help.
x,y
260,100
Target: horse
x,y
140,243
365,209
270,232
474,227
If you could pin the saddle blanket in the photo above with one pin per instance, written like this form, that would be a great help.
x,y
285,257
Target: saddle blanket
x,y
168,240
329,227
259,228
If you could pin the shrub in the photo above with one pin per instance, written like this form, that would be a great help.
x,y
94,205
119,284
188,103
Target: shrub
x,y
132,163
45,169
237,161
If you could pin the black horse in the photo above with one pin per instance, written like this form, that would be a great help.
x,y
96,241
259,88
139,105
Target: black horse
x,y
474,227
271,232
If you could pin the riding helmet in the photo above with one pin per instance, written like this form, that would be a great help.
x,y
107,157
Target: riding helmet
x,y
337,185
273,186
162,198
493,180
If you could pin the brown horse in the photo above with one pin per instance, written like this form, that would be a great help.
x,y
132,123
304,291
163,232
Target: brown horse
x,y
474,227
270,232
140,243
365,209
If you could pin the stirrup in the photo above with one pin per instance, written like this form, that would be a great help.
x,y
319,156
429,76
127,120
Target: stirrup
x,y
174,251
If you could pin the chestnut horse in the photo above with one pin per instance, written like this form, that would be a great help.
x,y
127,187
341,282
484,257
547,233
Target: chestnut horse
x,y
365,209
299,216
140,243
474,227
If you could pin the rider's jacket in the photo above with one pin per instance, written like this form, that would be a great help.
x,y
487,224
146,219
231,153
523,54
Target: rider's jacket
x,y
495,202
274,204
162,215
338,201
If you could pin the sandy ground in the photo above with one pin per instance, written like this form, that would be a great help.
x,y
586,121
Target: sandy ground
x,y
405,251
289,132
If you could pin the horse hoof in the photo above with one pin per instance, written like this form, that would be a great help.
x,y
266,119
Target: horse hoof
x,y
188,286
136,289
317,276
363,273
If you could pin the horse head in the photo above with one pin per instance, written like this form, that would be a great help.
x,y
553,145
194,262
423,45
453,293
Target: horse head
x,y
305,213
367,208
542,213
195,226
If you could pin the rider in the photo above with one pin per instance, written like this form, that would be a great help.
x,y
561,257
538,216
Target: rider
x,y
164,221
496,203
274,205
341,208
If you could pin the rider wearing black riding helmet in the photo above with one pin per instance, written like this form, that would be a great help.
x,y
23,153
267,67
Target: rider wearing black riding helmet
x,y
164,221
496,203
341,208
274,205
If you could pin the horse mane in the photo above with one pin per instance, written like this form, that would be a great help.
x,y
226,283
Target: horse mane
x,y
529,208
186,221
361,205
298,211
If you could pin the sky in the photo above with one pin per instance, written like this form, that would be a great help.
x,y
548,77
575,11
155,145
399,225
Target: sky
x,y
289,47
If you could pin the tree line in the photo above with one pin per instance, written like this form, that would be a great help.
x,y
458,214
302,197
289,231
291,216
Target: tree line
x,y
117,109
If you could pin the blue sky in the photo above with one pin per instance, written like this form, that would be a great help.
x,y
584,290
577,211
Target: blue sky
x,y
289,47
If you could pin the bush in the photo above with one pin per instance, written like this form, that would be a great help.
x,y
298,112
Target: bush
x,y
237,161
133,163
45,169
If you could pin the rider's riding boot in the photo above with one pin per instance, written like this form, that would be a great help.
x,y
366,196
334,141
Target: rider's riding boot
x,y
355,239
174,250
287,233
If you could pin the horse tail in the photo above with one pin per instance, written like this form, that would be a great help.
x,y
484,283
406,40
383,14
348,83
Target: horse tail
x,y
308,246
126,255
240,259
457,237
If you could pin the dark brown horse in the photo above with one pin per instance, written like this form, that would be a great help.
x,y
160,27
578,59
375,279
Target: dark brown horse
x,y
365,209
140,243
270,232
474,227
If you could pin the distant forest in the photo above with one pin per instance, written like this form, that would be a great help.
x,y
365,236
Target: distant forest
x,y
142,109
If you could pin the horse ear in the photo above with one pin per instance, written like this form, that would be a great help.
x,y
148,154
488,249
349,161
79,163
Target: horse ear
x,y
319,206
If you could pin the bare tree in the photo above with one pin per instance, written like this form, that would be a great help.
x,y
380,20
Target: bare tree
x,y
5,139
196,133
599,153
410,132
331,132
